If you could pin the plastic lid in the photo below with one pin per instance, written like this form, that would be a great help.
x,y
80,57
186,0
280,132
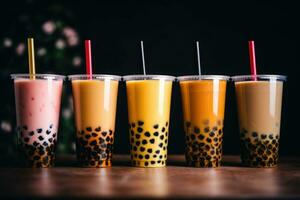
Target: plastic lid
x,y
202,77
94,77
38,76
259,77
148,77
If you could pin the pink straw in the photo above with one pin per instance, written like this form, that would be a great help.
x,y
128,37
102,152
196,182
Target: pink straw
x,y
88,58
252,60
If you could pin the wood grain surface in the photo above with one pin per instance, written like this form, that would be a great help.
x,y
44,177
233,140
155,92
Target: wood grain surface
x,y
176,181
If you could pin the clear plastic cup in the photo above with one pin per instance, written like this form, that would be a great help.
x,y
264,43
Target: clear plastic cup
x,y
259,100
95,102
149,99
37,100
203,103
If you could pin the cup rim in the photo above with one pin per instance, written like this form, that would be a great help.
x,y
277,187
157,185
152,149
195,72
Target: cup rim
x,y
94,77
202,77
259,77
148,77
38,76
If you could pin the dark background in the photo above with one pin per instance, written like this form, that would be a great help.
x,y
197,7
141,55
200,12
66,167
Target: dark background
x,y
169,30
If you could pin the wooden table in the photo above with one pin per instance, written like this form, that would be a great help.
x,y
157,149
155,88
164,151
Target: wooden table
x,y
66,181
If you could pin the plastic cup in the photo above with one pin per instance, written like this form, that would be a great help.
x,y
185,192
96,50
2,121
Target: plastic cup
x,y
149,99
203,102
95,102
37,112
259,110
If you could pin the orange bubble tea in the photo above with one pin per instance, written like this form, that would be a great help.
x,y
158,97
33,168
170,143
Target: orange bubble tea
x,y
203,102
95,100
149,99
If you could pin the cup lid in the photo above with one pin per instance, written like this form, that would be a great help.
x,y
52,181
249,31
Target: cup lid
x,y
148,77
259,77
94,77
202,77
38,76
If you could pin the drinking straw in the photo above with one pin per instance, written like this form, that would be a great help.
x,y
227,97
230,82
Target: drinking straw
x,y
88,58
143,57
31,60
198,58
252,60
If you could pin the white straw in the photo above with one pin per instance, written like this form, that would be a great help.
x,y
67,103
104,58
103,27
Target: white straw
x,y
198,56
143,57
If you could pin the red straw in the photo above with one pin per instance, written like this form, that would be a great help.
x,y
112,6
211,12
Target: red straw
x,y
88,58
252,60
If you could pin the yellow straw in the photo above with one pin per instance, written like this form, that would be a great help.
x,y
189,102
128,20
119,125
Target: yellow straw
x,y
31,60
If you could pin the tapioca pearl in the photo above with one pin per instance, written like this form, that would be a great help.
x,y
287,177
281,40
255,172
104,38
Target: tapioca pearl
x,y
144,142
166,133
134,148
196,130
212,152
263,136
45,143
154,156
161,145
193,137
147,134
141,156
35,143
163,129
201,137
137,143
87,136
133,125
137,136
220,131
159,161
98,129
277,137
139,129
25,127
208,140
41,138
104,133
206,129
215,128
31,133
147,156
54,135
89,129
215,139
132,132
161,137
110,132
166,141
39,130
140,123
207,147
107,139
156,134
94,134
132,140
201,144
271,136
93,143
254,134
157,151
211,134
152,141
101,140
142,149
